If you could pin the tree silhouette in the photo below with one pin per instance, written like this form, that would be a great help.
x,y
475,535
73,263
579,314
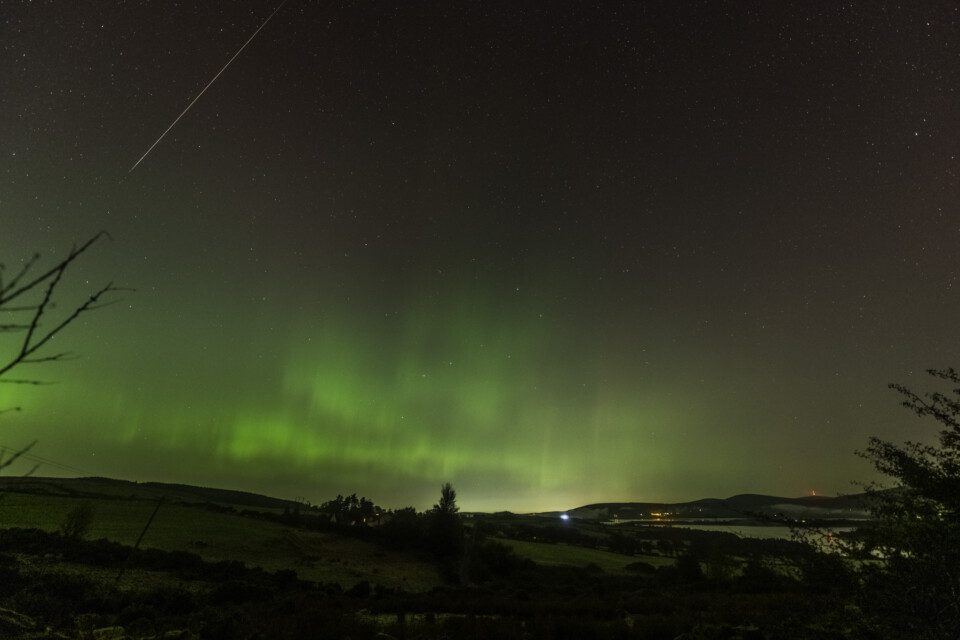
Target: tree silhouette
x,y
448,500
914,591
445,531
351,511
27,306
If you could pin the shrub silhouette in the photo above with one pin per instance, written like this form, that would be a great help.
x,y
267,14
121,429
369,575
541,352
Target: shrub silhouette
x,y
77,523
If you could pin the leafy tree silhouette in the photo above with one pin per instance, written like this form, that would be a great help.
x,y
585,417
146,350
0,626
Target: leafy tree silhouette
x,y
445,531
914,589
448,500
351,511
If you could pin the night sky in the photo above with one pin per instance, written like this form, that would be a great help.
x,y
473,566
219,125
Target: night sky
x,y
554,253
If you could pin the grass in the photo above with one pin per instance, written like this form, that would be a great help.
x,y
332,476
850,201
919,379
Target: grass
x,y
563,554
134,578
319,556
109,488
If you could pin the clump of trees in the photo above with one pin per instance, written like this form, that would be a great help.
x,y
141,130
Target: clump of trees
x,y
403,529
438,533
350,511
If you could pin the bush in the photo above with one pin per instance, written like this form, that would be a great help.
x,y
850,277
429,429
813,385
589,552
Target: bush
x,y
167,600
758,578
238,592
688,568
359,590
55,598
11,581
495,559
77,523
641,567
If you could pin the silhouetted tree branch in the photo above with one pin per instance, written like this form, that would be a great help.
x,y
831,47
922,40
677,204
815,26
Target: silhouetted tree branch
x,y
16,454
30,293
911,584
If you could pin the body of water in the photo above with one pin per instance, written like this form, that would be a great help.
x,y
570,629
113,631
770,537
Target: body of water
x,y
746,529
763,532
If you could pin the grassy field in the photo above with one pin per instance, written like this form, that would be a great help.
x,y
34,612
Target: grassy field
x,y
213,535
563,554
110,488
319,556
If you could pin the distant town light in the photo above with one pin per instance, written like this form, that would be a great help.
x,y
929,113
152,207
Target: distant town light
x,y
564,516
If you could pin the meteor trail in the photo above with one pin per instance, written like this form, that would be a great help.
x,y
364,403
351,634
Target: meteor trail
x,y
174,123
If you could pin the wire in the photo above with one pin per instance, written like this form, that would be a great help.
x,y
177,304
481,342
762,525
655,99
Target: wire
x,y
46,461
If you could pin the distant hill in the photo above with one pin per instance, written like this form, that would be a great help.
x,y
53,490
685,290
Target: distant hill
x,y
739,506
215,524
124,489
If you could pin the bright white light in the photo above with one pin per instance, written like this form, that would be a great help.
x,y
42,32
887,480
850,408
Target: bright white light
x,y
564,516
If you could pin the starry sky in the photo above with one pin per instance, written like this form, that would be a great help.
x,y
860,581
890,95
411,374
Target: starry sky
x,y
554,253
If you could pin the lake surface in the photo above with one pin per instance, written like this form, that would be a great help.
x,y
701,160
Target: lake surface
x,y
764,532
744,529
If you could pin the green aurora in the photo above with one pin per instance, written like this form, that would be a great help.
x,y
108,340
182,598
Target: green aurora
x,y
670,255
499,396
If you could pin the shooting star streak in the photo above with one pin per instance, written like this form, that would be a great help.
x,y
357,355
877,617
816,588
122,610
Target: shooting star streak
x,y
202,91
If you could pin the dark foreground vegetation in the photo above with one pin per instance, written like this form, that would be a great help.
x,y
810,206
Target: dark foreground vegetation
x,y
688,584
64,587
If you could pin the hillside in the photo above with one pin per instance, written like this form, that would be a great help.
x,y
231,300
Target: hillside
x,y
96,487
739,506
207,522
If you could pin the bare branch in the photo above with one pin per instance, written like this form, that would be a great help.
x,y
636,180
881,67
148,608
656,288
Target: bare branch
x,y
39,313
90,304
13,327
57,357
16,454
36,334
30,346
103,305
11,292
23,271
